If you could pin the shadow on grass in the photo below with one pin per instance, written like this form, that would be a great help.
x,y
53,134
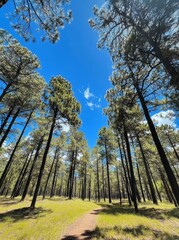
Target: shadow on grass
x,y
86,235
8,201
23,213
139,231
154,213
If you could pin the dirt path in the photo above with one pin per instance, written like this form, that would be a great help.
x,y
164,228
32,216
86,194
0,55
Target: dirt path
x,y
83,227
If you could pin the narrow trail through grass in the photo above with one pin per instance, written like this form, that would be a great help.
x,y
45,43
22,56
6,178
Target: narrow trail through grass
x,y
54,217
46,222
83,228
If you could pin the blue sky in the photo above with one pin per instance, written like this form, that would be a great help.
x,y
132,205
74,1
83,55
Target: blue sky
x,y
77,59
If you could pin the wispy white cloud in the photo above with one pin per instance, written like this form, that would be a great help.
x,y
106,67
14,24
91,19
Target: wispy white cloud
x,y
165,118
88,94
92,105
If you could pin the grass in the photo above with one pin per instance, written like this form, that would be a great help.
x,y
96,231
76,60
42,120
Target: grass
x,y
153,222
46,222
52,216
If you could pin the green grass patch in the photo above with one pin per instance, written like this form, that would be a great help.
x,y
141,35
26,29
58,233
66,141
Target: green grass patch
x,y
151,223
46,222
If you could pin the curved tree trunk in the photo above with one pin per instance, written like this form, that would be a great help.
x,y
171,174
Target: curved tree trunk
x,y
163,157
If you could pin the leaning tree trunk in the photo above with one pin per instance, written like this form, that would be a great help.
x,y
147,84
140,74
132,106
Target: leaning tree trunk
x,y
6,119
9,127
152,189
171,177
125,174
44,160
49,174
31,169
9,163
22,173
133,183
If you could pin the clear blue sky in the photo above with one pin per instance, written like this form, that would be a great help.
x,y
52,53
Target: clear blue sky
x,y
76,58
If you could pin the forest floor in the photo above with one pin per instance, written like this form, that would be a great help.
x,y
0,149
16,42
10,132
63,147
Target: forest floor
x,y
77,219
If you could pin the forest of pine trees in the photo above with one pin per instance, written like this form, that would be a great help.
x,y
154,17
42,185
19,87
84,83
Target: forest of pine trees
x,y
133,160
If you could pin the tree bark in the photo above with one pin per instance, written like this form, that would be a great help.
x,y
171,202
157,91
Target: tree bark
x,y
8,165
163,157
44,160
133,183
152,190
108,177
9,127
6,119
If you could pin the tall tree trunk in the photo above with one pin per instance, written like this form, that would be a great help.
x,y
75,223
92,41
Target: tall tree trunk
x,y
54,177
118,185
97,169
6,119
9,163
159,195
108,177
4,92
133,183
152,190
73,174
44,161
125,174
49,174
22,174
163,157
31,169
104,189
70,175
89,188
140,182
9,127
173,146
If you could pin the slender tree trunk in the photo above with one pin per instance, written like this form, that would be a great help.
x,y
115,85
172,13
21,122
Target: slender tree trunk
x,y
104,190
44,161
22,174
97,168
163,157
140,182
89,189
6,119
2,2
73,174
125,174
9,127
54,178
49,174
171,143
133,183
118,186
152,190
70,174
169,193
159,195
9,163
108,177
31,169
